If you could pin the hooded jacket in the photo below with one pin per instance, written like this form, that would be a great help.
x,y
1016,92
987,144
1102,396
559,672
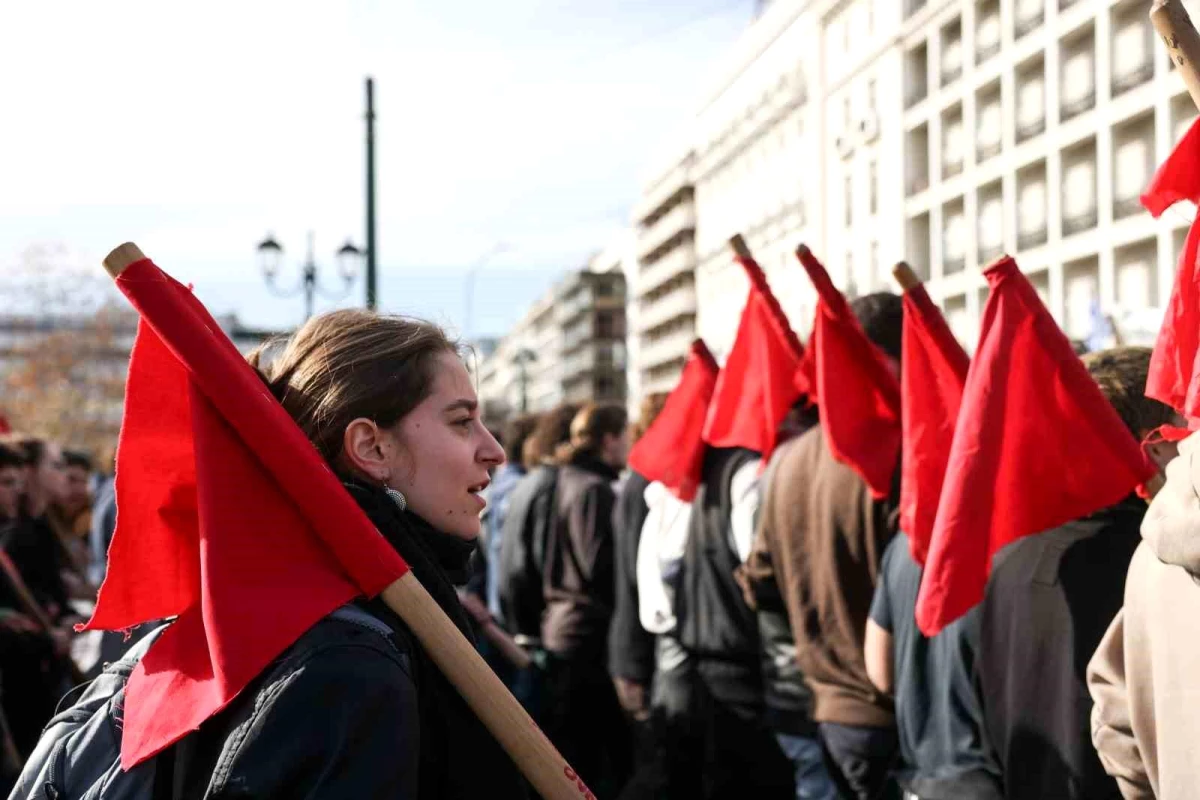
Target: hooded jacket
x,y
1146,718
351,712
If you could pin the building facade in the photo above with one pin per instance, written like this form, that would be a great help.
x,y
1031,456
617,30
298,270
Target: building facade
x,y
941,132
570,347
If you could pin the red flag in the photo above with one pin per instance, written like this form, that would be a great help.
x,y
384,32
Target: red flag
x,y
228,517
4,426
860,396
1174,376
933,369
672,451
1036,446
756,387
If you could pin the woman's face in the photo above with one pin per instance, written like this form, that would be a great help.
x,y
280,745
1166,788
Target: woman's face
x,y
443,453
49,476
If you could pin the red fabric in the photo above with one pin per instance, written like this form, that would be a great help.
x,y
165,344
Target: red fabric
x,y
756,387
672,450
933,369
4,426
1174,375
227,517
860,396
1036,445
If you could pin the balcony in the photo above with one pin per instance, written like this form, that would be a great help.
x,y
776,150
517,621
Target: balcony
x,y
681,219
1029,239
953,264
1073,108
665,349
1028,130
985,151
1028,24
917,184
1132,78
678,261
914,95
1080,222
984,51
990,252
951,72
952,168
1126,206
674,304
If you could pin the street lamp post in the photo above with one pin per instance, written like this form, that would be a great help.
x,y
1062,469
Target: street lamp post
x,y
523,359
270,256
469,287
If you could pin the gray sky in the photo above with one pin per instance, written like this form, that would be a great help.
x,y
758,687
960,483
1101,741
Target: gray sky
x,y
196,132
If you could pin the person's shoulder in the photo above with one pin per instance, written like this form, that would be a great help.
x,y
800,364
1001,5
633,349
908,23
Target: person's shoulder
x,y
349,655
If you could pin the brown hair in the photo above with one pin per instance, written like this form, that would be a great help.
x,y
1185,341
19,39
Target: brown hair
x,y
648,411
881,316
352,363
516,432
32,448
1121,373
553,430
589,427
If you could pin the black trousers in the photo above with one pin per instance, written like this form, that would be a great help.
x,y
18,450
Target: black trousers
x,y
861,760
583,718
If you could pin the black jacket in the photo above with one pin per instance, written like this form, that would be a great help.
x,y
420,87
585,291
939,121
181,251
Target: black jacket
x,y
353,712
522,551
577,574
1048,603
630,646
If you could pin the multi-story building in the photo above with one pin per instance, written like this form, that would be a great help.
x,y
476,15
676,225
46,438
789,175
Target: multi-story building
x,y
664,301
570,346
942,132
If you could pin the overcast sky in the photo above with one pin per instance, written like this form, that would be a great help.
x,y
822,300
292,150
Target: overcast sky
x,y
531,122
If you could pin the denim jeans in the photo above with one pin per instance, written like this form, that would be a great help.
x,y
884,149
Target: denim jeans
x,y
812,778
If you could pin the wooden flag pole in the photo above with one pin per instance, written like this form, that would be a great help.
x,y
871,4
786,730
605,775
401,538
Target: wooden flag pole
x,y
488,697
1173,24
905,276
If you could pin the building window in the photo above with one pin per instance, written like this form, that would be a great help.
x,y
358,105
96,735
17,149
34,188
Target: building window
x,y
849,200
987,30
1133,157
954,237
873,180
989,124
1079,189
1028,16
1132,49
605,327
952,60
1031,100
991,223
917,160
1031,207
953,150
1078,84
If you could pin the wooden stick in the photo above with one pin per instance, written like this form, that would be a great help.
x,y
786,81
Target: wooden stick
x,y
1173,24
905,276
121,257
484,692
738,243
530,750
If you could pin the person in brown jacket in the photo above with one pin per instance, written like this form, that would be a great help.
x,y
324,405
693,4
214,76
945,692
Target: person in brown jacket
x,y
821,539
582,715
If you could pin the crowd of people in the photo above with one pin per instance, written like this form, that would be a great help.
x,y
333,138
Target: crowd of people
x,y
761,639
57,515
758,640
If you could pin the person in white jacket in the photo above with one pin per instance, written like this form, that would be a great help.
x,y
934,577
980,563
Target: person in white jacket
x,y
1143,676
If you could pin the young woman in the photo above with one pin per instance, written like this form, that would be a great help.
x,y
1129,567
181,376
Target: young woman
x,y
355,708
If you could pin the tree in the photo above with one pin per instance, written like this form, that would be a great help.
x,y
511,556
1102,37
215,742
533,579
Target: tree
x,y
64,350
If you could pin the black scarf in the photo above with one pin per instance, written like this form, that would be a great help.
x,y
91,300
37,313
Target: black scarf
x,y
459,758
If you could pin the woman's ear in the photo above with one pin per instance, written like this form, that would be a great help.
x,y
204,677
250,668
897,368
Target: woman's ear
x,y
365,450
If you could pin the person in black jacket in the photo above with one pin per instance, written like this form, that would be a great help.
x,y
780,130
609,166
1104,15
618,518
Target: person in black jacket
x,y
582,715
1048,603
361,710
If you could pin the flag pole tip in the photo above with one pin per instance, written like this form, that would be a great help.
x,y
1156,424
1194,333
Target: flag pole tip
x,y
905,276
121,257
740,249
802,251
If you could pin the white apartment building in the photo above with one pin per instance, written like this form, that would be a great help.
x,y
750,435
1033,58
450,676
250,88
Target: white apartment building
x,y
944,132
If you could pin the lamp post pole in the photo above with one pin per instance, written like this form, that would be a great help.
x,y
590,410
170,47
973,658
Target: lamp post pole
x,y
372,243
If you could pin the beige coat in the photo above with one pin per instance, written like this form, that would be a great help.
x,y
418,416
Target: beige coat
x,y
1145,676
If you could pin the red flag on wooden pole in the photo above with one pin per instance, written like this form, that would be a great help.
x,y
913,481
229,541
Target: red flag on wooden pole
x,y
1174,375
933,369
858,392
672,450
756,386
1036,445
